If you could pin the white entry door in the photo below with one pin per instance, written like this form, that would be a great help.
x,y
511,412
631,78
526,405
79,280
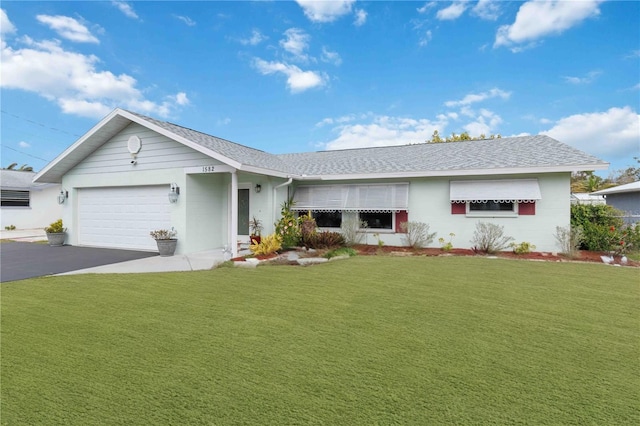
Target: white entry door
x,y
122,217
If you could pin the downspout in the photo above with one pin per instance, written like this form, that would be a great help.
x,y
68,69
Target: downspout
x,y
275,190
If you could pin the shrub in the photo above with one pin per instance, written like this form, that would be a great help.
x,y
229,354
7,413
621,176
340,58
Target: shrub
x,y
10,227
447,245
308,229
596,222
352,229
569,239
163,234
417,234
522,248
55,227
268,245
489,238
342,251
325,239
288,227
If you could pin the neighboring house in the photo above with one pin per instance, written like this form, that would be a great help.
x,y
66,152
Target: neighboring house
x,y
625,198
27,205
121,175
586,198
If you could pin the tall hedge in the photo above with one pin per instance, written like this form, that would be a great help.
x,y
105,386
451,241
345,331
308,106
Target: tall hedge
x,y
598,223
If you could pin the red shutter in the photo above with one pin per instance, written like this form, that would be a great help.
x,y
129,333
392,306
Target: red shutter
x,y
526,209
458,208
401,217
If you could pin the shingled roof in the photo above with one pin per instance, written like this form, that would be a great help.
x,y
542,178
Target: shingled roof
x,y
524,154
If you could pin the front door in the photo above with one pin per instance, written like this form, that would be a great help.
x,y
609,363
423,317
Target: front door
x,y
243,212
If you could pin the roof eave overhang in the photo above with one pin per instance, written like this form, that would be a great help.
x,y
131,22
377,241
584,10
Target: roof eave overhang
x,y
460,172
267,172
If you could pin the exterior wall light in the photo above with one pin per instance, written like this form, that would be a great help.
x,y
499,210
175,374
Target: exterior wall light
x,y
258,188
174,192
62,196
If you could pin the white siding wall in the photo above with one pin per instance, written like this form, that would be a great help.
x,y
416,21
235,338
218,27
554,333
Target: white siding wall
x,y
206,211
43,209
158,152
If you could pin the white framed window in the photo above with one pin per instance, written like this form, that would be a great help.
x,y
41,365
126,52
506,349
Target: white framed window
x,y
378,220
11,198
490,208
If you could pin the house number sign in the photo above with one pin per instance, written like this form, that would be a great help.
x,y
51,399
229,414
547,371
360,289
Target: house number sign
x,y
208,169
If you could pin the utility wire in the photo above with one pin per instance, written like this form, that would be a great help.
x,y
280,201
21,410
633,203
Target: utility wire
x,y
39,124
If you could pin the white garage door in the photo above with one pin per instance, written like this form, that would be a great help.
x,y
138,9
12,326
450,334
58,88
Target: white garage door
x,y
122,217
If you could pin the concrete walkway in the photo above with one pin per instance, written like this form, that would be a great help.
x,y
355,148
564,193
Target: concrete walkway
x,y
26,235
198,261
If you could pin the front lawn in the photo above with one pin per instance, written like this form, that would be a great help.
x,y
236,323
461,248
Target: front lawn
x,y
369,340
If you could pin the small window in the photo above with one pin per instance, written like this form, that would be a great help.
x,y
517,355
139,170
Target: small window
x,y
377,220
491,206
328,219
14,198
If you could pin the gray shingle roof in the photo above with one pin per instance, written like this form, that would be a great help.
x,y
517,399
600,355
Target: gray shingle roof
x,y
240,153
504,153
17,180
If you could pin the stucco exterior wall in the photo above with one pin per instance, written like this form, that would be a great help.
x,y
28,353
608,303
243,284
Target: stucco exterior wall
x,y
43,209
429,202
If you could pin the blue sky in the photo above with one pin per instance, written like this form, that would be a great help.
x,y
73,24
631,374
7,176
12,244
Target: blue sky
x,y
285,76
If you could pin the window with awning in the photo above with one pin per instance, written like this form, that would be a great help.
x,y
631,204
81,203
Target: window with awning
x,y
363,198
497,191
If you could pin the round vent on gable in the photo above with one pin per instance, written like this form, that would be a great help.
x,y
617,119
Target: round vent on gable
x,y
134,144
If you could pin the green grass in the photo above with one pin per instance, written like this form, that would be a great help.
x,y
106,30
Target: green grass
x,y
370,340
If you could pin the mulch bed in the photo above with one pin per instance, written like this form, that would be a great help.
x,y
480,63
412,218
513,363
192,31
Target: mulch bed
x,y
584,256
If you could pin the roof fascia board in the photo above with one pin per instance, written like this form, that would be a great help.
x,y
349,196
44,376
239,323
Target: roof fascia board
x,y
182,140
451,173
77,143
267,172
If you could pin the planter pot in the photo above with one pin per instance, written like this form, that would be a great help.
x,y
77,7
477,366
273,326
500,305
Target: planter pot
x,y
255,238
166,247
56,239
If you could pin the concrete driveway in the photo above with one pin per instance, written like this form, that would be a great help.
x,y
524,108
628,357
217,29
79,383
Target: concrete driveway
x,y
21,260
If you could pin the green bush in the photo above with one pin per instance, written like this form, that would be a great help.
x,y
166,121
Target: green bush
x,y
288,227
55,227
597,222
522,248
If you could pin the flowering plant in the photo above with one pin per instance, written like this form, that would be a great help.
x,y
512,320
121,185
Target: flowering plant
x,y
288,227
620,243
447,245
163,234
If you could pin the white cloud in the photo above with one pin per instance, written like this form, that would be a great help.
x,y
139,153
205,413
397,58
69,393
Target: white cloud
x,y
613,134
6,27
296,42
425,39
125,8
256,38
453,11
223,121
479,97
73,81
426,7
361,18
487,9
634,54
384,131
484,124
589,78
325,11
331,57
68,28
297,79
23,144
181,99
536,19
188,21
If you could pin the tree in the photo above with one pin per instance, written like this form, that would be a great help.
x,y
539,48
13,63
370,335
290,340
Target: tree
x,y
464,136
23,168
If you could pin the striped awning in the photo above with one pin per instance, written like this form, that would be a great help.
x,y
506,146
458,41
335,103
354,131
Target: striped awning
x,y
503,190
368,198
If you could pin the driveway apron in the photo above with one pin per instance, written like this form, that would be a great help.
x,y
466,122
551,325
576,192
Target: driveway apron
x,y
20,260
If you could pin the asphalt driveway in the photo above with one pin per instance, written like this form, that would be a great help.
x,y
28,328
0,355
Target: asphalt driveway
x,y
20,260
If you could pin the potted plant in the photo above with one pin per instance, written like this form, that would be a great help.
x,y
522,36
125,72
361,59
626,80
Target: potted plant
x,y
255,225
166,241
56,233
